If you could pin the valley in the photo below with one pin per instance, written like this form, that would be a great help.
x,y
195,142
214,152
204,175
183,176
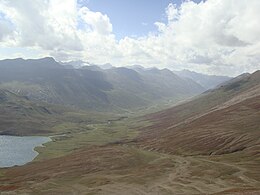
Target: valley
x,y
129,97
208,144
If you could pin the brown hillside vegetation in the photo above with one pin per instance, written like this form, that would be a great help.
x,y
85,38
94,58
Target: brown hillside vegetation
x,y
202,127
210,145
231,129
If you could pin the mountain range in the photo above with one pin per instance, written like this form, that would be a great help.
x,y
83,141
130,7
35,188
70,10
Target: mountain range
x,y
99,87
91,87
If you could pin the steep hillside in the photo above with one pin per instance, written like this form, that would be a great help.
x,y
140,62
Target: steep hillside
x,y
224,120
144,87
156,78
132,88
207,81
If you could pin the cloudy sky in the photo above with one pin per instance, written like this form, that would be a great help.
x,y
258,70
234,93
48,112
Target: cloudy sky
x,y
211,36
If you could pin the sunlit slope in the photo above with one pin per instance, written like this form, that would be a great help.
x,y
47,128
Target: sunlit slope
x,y
221,121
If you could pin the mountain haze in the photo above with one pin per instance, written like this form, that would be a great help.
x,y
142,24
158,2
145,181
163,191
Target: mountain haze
x,y
90,87
206,81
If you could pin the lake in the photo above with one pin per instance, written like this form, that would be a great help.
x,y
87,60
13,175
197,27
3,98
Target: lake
x,y
15,150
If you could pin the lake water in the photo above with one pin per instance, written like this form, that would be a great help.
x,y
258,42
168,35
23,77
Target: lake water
x,y
16,150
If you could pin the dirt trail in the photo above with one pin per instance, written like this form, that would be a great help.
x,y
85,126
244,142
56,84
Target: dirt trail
x,y
240,173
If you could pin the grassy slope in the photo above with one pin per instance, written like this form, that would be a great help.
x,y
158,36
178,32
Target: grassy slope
x,y
117,158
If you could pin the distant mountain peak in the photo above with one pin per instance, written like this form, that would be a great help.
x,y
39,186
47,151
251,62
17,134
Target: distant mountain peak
x,y
75,63
48,59
207,81
105,66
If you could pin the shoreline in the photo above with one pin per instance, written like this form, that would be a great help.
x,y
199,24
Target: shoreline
x,y
34,151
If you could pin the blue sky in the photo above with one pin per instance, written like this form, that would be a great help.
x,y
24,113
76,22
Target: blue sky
x,y
132,18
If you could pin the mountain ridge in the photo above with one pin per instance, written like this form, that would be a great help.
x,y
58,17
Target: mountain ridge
x,y
90,87
207,81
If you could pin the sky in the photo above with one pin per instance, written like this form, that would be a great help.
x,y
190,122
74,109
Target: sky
x,y
219,37
139,14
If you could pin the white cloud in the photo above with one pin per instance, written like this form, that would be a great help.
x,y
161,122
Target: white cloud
x,y
172,12
6,29
215,36
49,25
97,21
